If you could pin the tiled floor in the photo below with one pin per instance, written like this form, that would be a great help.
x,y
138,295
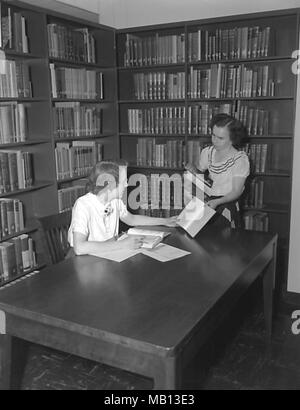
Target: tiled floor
x,y
238,359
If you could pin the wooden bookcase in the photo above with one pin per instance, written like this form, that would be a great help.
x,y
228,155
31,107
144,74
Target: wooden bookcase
x,y
205,61
169,108
25,40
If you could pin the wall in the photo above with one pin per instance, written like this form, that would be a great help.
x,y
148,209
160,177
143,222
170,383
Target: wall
x,y
131,13
294,257
85,9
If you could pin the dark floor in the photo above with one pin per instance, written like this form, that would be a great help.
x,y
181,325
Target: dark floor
x,y
238,358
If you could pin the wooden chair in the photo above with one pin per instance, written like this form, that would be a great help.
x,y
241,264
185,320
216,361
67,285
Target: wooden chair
x,y
54,236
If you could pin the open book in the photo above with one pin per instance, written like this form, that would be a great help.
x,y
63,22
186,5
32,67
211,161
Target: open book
x,y
150,238
194,216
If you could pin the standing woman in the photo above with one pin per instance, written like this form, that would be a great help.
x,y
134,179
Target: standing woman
x,y
228,167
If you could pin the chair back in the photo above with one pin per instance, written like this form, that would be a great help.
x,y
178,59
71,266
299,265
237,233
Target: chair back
x,y
54,235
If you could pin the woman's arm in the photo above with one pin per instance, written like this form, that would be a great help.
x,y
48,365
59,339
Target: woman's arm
x,y
238,184
134,220
84,247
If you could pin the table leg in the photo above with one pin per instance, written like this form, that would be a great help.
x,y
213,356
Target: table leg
x,y
5,361
167,375
268,287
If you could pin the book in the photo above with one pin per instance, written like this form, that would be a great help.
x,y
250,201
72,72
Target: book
x,y
195,216
150,238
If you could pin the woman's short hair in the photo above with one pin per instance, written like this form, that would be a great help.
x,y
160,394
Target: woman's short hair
x,y
237,131
109,168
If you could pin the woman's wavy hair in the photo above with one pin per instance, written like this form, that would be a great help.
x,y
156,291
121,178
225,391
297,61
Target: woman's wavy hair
x,y
109,170
237,131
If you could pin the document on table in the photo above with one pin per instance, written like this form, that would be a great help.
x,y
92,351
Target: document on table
x,y
162,252
121,255
165,253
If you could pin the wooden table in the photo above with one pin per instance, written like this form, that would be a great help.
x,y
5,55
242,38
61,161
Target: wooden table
x,y
139,315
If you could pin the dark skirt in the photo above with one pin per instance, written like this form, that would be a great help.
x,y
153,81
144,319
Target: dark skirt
x,y
229,211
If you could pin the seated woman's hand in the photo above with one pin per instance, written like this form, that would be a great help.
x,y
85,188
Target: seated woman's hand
x,y
191,167
171,222
213,203
131,242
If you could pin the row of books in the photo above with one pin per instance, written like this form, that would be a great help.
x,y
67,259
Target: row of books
x,y
15,79
76,83
157,192
256,120
233,43
74,119
256,221
67,197
16,256
157,120
151,153
13,122
258,156
76,158
171,154
159,86
13,31
231,81
160,213
15,170
254,197
11,217
71,44
152,50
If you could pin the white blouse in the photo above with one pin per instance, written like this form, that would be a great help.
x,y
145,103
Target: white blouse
x,y
95,220
222,173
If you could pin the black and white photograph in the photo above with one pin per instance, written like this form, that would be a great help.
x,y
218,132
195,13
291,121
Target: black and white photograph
x,y
149,197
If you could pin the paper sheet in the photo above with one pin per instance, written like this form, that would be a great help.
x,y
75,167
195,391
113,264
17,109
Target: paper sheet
x,y
2,323
165,253
121,255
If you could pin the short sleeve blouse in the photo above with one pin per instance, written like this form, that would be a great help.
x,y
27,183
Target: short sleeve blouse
x,y
222,173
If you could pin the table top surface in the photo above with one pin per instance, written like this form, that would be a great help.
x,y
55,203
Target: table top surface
x,y
141,302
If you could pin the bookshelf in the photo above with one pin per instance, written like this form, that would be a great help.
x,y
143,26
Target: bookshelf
x,y
57,89
172,78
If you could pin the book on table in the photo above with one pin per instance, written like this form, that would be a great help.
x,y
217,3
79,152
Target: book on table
x,y
151,238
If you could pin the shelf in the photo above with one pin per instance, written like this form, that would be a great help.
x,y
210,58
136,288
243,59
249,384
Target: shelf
x,y
63,62
154,66
214,99
21,99
35,187
132,166
93,137
124,134
15,234
272,174
82,100
19,54
270,208
61,181
241,60
182,101
259,137
273,137
3,283
21,144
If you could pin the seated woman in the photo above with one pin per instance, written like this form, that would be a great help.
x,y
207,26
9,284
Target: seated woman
x,y
95,216
227,166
